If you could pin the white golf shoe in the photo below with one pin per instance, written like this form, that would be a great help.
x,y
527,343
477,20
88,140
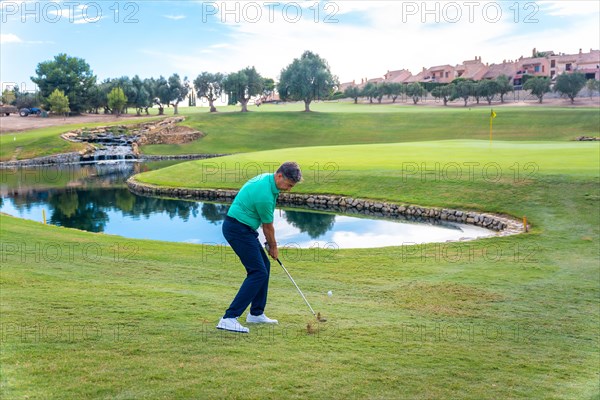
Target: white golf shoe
x,y
232,325
260,319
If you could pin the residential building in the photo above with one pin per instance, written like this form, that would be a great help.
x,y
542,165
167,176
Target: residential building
x,y
420,77
471,69
398,76
532,66
541,63
441,74
586,63
508,68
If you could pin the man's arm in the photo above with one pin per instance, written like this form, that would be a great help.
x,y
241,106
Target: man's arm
x,y
269,231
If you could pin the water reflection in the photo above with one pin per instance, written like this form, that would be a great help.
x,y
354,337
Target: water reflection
x,y
87,209
313,224
214,213
95,198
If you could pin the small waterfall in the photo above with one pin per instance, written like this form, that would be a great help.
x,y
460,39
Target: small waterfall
x,y
110,147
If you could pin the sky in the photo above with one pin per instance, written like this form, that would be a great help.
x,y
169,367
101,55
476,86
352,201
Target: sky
x,y
359,39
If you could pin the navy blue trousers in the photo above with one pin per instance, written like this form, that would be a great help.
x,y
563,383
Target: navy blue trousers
x,y
244,242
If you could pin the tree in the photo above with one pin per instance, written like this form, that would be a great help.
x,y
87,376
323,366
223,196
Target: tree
x,y
59,102
243,85
504,86
268,88
352,92
151,86
142,99
380,91
192,99
592,85
463,89
538,86
71,75
443,92
369,91
170,92
97,99
307,78
128,90
26,99
488,89
394,90
416,91
117,100
8,96
160,93
210,86
178,90
570,84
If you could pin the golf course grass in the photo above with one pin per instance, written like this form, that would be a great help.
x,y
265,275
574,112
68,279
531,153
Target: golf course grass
x,y
47,141
346,123
97,316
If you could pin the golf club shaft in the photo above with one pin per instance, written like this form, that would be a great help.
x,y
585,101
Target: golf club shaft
x,y
299,291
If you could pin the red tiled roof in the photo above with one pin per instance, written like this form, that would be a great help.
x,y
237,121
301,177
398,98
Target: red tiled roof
x,y
440,67
398,76
416,78
495,70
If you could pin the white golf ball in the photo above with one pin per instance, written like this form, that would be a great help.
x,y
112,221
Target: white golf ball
x,y
330,293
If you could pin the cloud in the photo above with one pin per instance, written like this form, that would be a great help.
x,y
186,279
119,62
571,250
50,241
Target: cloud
x,y
373,37
569,8
219,45
6,38
174,17
386,38
9,38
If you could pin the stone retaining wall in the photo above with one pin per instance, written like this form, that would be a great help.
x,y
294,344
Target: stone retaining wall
x,y
75,158
347,205
57,159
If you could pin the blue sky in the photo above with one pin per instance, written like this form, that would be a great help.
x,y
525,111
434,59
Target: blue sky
x,y
358,38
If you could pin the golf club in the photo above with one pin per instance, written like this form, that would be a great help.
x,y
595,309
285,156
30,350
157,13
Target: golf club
x,y
317,316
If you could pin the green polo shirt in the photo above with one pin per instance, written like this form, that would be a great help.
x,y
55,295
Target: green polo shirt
x,y
255,203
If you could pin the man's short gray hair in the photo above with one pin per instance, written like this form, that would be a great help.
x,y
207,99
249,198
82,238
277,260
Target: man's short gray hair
x,y
290,170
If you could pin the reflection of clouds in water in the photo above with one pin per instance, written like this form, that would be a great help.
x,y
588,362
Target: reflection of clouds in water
x,y
365,240
284,232
353,232
389,233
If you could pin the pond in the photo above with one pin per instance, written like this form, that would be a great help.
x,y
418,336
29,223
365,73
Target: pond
x,y
94,198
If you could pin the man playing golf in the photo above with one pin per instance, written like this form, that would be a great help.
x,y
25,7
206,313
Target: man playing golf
x,y
254,206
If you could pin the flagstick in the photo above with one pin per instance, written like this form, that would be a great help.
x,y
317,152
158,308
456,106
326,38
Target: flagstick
x,y
491,137
492,115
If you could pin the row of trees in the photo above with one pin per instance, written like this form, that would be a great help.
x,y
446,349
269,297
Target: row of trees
x,y
73,78
307,78
568,85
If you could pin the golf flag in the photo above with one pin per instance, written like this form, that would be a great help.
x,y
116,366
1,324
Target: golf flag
x,y
493,114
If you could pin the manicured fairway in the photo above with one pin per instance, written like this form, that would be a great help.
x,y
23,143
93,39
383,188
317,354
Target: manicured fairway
x,y
335,124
